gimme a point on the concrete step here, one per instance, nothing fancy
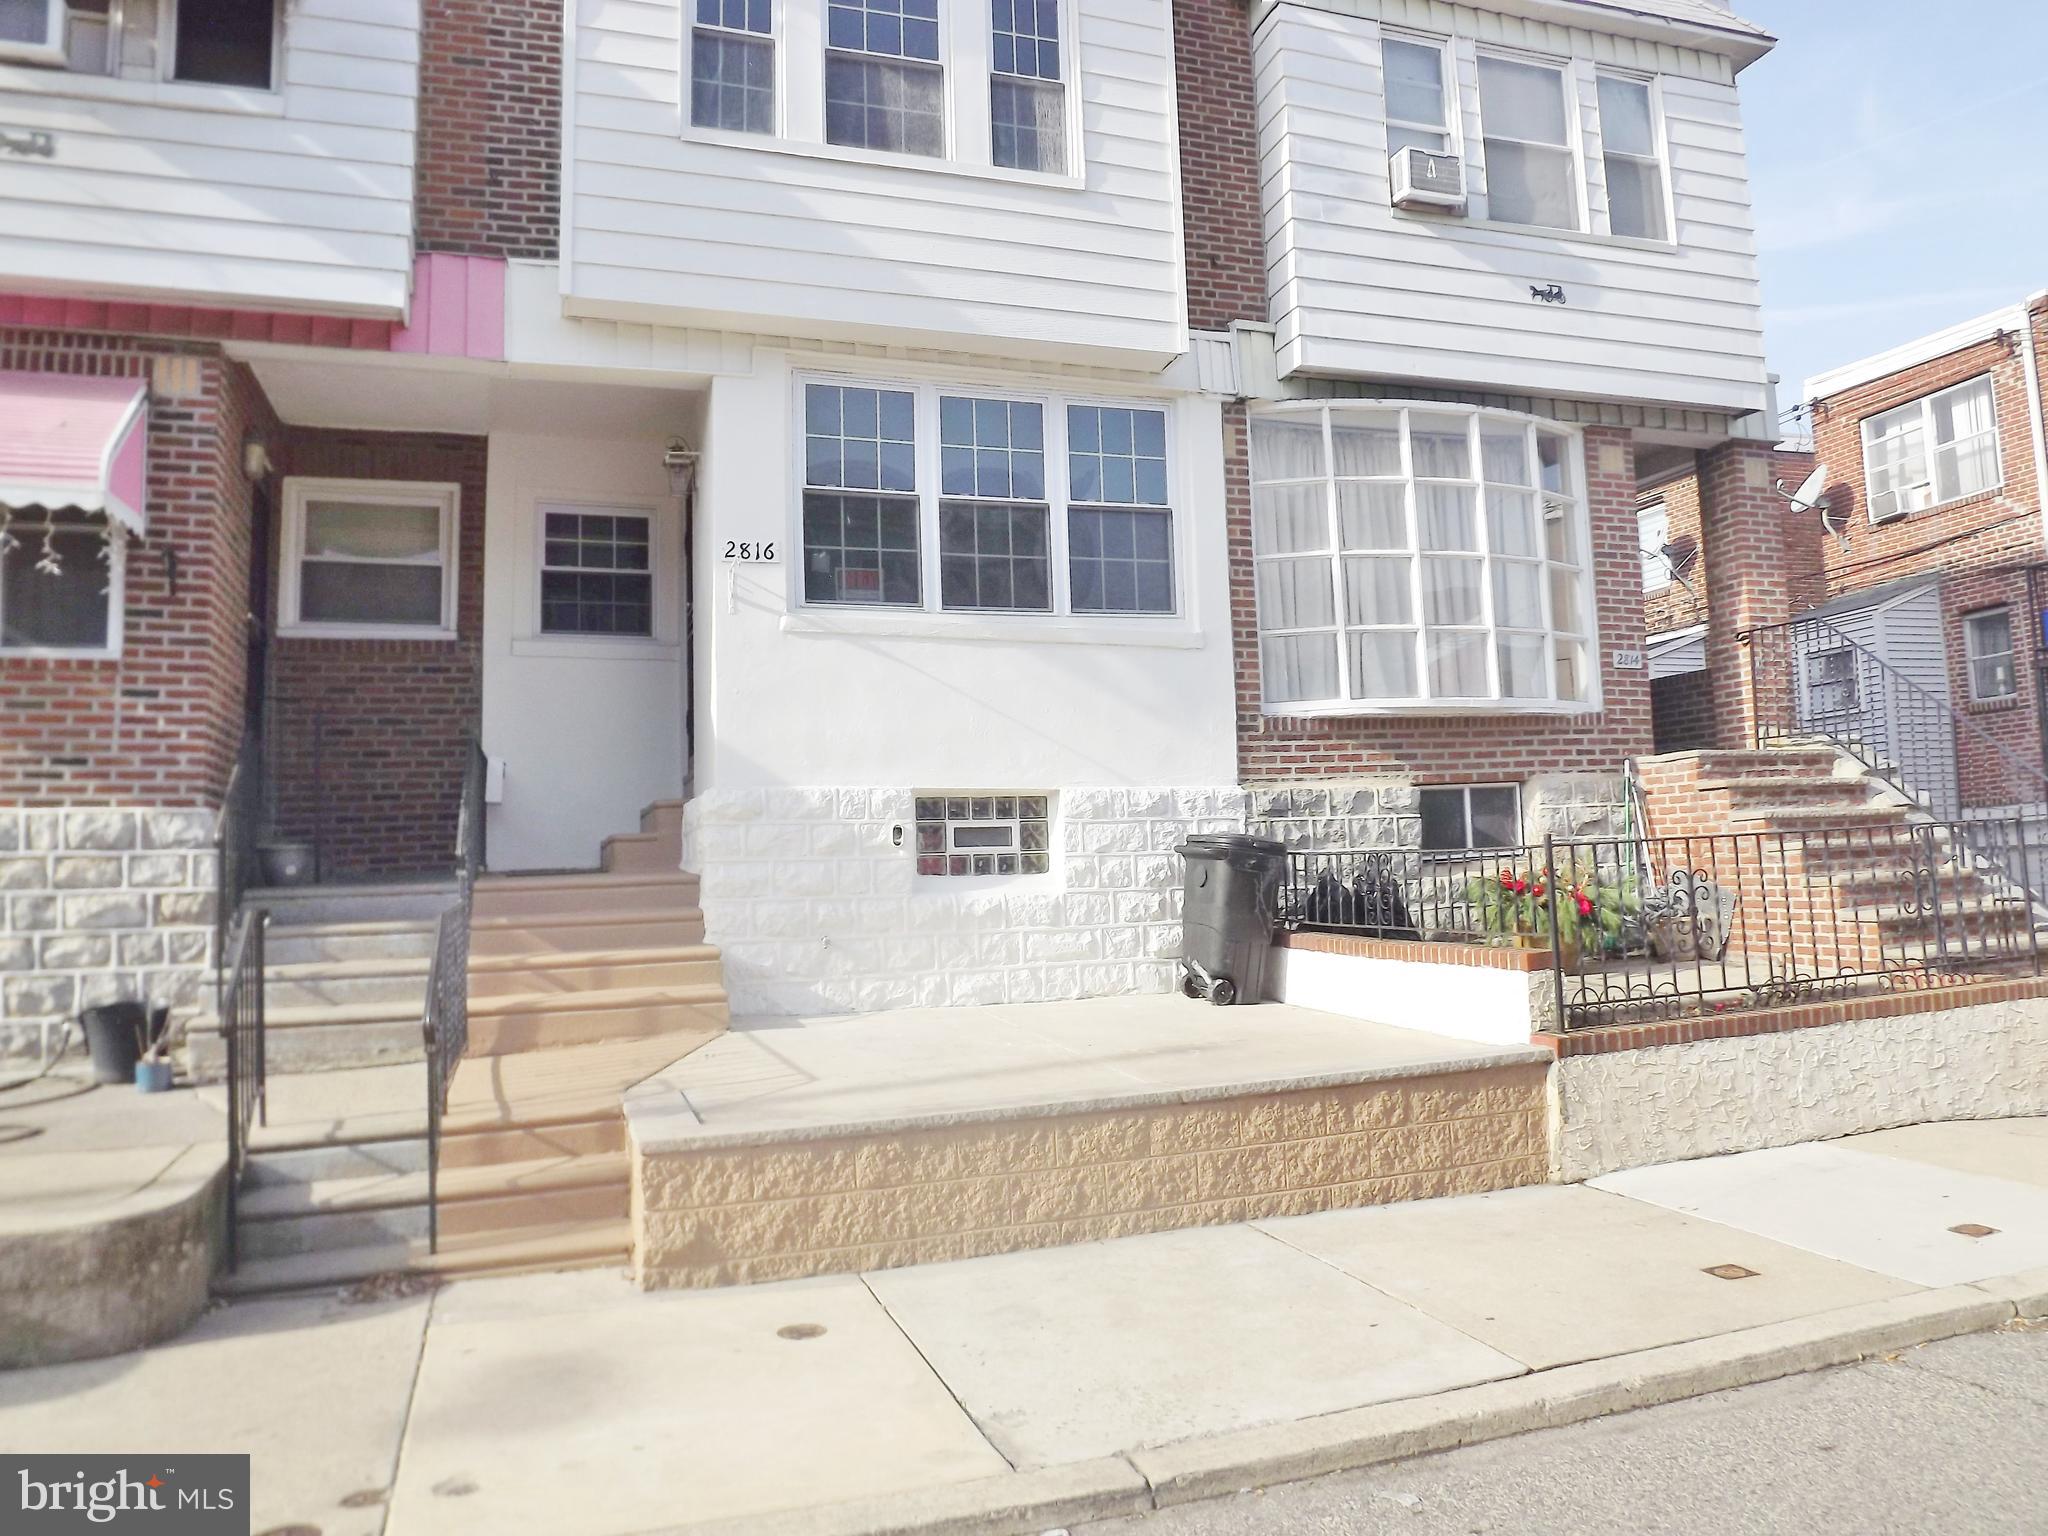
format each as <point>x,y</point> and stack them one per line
<point>1720,763</point>
<point>598,970</point>
<point>343,983</point>
<point>1781,817</point>
<point>284,1235</point>
<point>320,1039</point>
<point>553,896</point>
<point>490,1184</point>
<point>530,1021</point>
<point>1799,788</point>
<point>665,816</point>
<point>307,943</point>
<point>475,1145</point>
<point>573,932</point>
<point>642,853</point>
<point>335,1162</point>
<point>567,1245</point>
<point>392,901</point>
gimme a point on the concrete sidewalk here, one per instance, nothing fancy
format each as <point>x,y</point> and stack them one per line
<point>1039,1389</point>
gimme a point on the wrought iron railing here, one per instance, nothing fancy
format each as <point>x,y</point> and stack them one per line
<point>241,1027</point>
<point>234,851</point>
<point>446,1023</point>
<point>1401,893</point>
<point>1655,928</point>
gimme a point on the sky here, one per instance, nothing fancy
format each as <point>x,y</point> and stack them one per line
<point>1898,154</point>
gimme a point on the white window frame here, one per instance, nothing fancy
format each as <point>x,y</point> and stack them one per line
<point>444,496</point>
<point>1059,500</point>
<point>945,63</point>
<point>1448,74</point>
<point>1929,449</point>
<point>1659,156</point>
<point>117,595</point>
<point>1069,143</point>
<point>577,637</point>
<point>773,37</point>
<point>1424,703</point>
<point>1574,144</point>
<point>51,49</point>
<point>1013,824</point>
<point>163,76</point>
<point>1464,793</point>
<point>167,51</point>
<point>1656,569</point>
<point>1972,655</point>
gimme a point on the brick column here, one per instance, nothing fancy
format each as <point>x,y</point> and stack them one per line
<point>1750,580</point>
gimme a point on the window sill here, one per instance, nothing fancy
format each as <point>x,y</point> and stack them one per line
<point>1426,709</point>
<point>1451,224</point>
<point>239,100</point>
<point>402,634</point>
<point>1989,493</point>
<point>1162,633</point>
<point>771,145</point>
<point>596,648</point>
<point>59,653</point>
<point>1991,706</point>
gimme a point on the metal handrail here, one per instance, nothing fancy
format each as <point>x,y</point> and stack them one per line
<point>446,1024</point>
<point>234,851</point>
<point>241,1024</point>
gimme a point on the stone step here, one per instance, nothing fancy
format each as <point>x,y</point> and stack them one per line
<point>1799,787</point>
<point>1730,763</point>
<point>553,896</point>
<point>642,853</point>
<point>600,970</point>
<point>568,1245</point>
<point>530,1021</point>
<point>353,903</point>
<point>573,932</point>
<point>307,943</point>
<point>1801,818</point>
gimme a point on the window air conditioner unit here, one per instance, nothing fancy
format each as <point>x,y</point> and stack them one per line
<point>1907,498</point>
<point>1424,180</point>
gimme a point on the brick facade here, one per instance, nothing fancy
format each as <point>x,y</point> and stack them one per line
<point>1219,163</point>
<point>1682,712</point>
<point>490,145</point>
<point>1682,603</point>
<point>390,719</point>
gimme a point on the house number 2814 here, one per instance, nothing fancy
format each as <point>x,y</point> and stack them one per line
<point>744,552</point>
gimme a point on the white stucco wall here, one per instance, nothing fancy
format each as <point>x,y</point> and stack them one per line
<point>1463,1002</point>
<point>588,730</point>
<point>1662,1104</point>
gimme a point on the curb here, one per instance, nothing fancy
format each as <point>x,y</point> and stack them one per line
<point>1137,1482</point>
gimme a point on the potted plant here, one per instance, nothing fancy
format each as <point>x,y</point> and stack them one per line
<point>1591,911</point>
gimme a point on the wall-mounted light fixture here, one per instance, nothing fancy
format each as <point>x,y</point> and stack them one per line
<point>256,458</point>
<point>680,460</point>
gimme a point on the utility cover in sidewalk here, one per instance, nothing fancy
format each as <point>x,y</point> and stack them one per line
<point>1729,1272</point>
<point>1973,1229</point>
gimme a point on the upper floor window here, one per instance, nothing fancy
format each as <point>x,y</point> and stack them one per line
<point>370,558</point>
<point>884,85</point>
<point>732,65</point>
<point>1629,154</point>
<point>1418,103</point>
<point>1027,103</point>
<point>1417,556</point>
<point>1935,450</point>
<point>1531,175</point>
<point>1653,532</point>
<point>1028,505</point>
<point>204,42</point>
<point>60,583</point>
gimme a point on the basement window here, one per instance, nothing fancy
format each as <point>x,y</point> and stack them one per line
<point>984,834</point>
<point>1458,818</point>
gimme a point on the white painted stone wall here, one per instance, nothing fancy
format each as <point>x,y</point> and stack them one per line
<point>98,905</point>
<point>817,910</point>
<point>1662,1104</point>
<point>1492,1005</point>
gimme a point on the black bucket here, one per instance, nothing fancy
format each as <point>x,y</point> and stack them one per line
<point>113,1033</point>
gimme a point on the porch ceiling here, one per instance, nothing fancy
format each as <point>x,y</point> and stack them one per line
<point>380,396</point>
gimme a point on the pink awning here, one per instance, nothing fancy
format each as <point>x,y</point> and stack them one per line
<point>74,442</point>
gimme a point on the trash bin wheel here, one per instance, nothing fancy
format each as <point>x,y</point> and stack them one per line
<point>1190,986</point>
<point>1222,991</point>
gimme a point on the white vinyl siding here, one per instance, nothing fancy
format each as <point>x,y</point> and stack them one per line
<point>1931,451</point>
<point>786,233</point>
<point>1359,287</point>
<point>224,195</point>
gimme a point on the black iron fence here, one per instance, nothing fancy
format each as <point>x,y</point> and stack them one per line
<point>447,1016</point>
<point>234,851</point>
<point>1404,893</point>
<point>241,1026</point>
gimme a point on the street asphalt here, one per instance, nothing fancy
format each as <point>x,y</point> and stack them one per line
<point>1950,1439</point>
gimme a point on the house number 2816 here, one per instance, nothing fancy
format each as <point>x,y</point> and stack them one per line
<point>744,552</point>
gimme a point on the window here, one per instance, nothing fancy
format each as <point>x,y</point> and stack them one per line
<point>983,834</point>
<point>1418,555</point>
<point>205,42</point>
<point>1987,639</point>
<point>60,582</point>
<point>1459,818</point>
<point>1628,147</point>
<point>1530,171</point>
<point>1027,103</point>
<point>1418,112</point>
<point>1653,532</point>
<point>1831,685</point>
<point>1040,506</point>
<point>1932,451</point>
<point>732,66</point>
<point>884,88</point>
<point>369,557</point>
<point>596,572</point>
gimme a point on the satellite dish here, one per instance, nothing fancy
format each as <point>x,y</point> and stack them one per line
<point>1809,495</point>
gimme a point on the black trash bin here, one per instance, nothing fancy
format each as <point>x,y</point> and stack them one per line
<point>1230,902</point>
<point>113,1034</point>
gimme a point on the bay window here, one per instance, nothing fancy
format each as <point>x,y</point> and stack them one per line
<point>970,501</point>
<point>1531,170</point>
<point>1935,450</point>
<point>60,583</point>
<point>1418,556</point>
<point>369,559</point>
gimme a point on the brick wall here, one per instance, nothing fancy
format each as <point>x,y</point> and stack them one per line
<point>490,127</point>
<point>1219,163</point>
<point>1460,749</point>
<point>389,718</point>
<point>1683,603</point>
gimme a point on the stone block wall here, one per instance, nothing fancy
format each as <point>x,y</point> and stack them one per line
<point>818,909</point>
<point>1353,815</point>
<point>98,905</point>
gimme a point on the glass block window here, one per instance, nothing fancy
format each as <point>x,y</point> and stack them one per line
<point>884,87</point>
<point>732,66</point>
<point>977,833</point>
<point>596,575</point>
<point>1027,101</point>
<point>860,548</point>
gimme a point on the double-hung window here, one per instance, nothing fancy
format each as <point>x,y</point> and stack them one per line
<point>1531,169</point>
<point>1418,556</point>
<point>1629,154</point>
<point>596,571</point>
<point>1027,102</point>
<point>1935,450</point>
<point>1022,505</point>
<point>203,42</point>
<point>1418,102</point>
<point>60,582</point>
<point>732,65</point>
<point>884,86</point>
<point>369,558</point>
<point>1987,640</point>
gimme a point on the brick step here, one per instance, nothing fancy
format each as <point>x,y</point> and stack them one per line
<point>565,1245</point>
<point>307,943</point>
<point>551,896</point>
<point>529,1021</point>
<point>600,970</point>
<point>570,932</point>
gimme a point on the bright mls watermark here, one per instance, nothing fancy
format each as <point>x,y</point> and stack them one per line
<point>158,1495</point>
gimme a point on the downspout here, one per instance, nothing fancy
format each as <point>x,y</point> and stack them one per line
<point>2031,364</point>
